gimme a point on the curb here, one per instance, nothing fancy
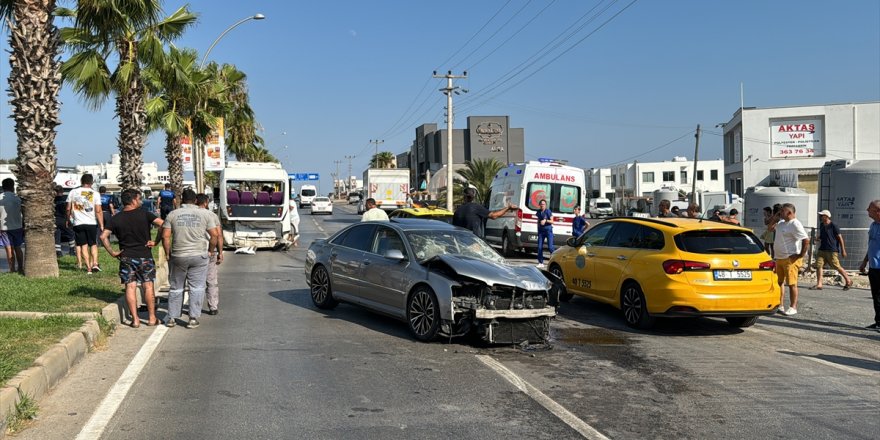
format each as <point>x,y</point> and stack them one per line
<point>51,368</point>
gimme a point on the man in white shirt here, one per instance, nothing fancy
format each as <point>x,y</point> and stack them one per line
<point>11,226</point>
<point>84,212</point>
<point>373,212</point>
<point>790,246</point>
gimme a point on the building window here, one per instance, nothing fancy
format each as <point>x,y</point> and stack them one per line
<point>700,175</point>
<point>608,180</point>
<point>623,180</point>
<point>684,177</point>
<point>669,176</point>
<point>614,180</point>
<point>648,177</point>
<point>713,174</point>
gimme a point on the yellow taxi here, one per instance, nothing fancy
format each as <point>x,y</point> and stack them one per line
<point>670,267</point>
<point>426,212</point>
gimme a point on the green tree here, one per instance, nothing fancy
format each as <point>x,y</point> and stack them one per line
<point>383,159</point>
<point>34,83</point>
<point>130,34</point>
<point>239,121</point>
<point>479,173</point>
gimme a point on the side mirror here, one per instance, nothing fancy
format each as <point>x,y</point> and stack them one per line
<point>394,254</point>
<point>572,242</point>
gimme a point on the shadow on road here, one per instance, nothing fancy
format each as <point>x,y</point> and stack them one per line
<point>345,221</point>
<point>865,364</point>
<point>835,328</point>
<point>345,312</point>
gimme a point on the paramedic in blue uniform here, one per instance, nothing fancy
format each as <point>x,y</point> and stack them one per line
<point>579,224</point>
<point>166,201</point>
<point>108,204</point>
<point>545,230</point>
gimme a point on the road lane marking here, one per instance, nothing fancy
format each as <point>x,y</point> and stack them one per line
<point>107,409</point>
<point>848,369</point>
<point>558,410</point>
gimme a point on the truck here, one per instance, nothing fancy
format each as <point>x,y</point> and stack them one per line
<point>388,186</point>
<point>254,205</point>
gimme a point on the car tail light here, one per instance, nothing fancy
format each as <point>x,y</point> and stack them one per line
<point>517,224</point>
<point>673,267</point>
<point>767,265</point>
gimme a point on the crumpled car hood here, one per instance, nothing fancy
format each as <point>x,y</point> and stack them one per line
<point>524,277</point>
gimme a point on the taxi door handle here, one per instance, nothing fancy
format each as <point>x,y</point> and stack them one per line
<point>621,257</point>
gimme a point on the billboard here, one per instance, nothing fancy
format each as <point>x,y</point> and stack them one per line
<point>215,149</point>
<point>801,137</point>
<point>186,152</point>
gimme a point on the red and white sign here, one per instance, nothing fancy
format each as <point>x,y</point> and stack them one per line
<point>553,177</point>
<point>797,138</point>
<point>186,153</point>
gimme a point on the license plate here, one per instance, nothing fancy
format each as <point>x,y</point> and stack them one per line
<point>733,275</point>
<point>533,238</point>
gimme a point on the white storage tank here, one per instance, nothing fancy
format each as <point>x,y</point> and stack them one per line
<point>852,187</point>
<point>664,193</point>
<point>757,197</point>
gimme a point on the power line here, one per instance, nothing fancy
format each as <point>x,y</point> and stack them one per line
<point>512,35</point>
<point>493,34</point>
<point>690,132</point>
<point>474,35</point>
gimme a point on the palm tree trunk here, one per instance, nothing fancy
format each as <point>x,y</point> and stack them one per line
<point>132,114</point>
<point>175,164</point>
<point>34,83</point>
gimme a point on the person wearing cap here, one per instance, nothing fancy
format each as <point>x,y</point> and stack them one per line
<point>830,244</point>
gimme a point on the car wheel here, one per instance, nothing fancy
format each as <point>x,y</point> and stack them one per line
<point>322,294</point>
<point>634,307</point>
<point>742,321</point>
<point>423,313</point>
<point>564,296</point>
<point>506,248</point>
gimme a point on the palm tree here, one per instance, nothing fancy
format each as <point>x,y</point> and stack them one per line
<point>180,93</point>
<point>131,33</point>
<point>239,120</point>
<point>479,173</point>
<point>384,159</point>
<point>34,83</point>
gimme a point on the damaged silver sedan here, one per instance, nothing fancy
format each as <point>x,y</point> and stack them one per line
<point>439,279</point>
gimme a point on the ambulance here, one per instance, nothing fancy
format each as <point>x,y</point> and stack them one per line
<point>525,185</point>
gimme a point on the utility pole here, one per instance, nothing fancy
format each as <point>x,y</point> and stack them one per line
<point>448,91</point>
<point>336,180</point>
<point>696,158</point>
<point>376,157</point>
<point>350,189</point>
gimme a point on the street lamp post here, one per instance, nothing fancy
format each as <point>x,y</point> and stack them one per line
<point>199,153</point>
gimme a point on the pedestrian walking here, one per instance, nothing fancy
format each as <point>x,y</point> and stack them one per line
<point>132,227</point>
<point>11,226</point>
<point>664,209</point>
<point>472,215</point>
<point>215,258</point>
<point>545,230</point>
<point>63,233</point>
<point>791,245</point>
<point>84,211</point>
<point>871,263</point>
<point>194,231</point>
<point>373,212</point>
<point>830,244</point>
<point>579,224</point>
<point>166,201</point>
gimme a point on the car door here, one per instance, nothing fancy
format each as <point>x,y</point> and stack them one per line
<point>610,261</point>
<point>578,266</point>
<point>384,279</point>
<point>347,259</point>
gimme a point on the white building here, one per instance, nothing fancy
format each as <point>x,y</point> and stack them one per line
<point>599,183</point>
<point>787,146</point>
<point>107,174</point>
<point>641,179</point>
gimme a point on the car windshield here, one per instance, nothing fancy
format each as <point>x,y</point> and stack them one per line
<point>603,205</point>
<point>429,244</point>
<point>721,241</point>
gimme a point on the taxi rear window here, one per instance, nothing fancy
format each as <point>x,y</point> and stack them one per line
<point>719,242</point>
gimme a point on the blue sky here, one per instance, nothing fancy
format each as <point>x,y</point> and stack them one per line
<point>326,77</point>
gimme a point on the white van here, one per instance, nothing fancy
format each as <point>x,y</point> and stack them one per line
<point>600,207</point>
<point>307,193</point>
<point>525,185</point>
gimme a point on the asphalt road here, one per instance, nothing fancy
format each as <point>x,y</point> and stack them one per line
<point>271,365</point>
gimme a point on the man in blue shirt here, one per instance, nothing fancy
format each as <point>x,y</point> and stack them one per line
<point>545,230</point>
<point>872,260</point>
<point>579,224</point>
<point>830,244</point>
<point>166,201</point>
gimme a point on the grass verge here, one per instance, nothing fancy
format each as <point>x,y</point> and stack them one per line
<point>25,412</point>
<point>72,291</point>
<point>24,340</point>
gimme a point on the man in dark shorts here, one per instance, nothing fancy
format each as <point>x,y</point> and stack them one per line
<point>63,233</point>
<point>11,226</point>
<point>166,201</point>
<point>84,212</point>
<point>472,215</point>
<point>131,226</point>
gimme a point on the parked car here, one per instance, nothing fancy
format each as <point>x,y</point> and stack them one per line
<point>671,267</point>
<point>439,279</point>
<point>321,205</point>
<point>354,197</point>
<point>428,213</point>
